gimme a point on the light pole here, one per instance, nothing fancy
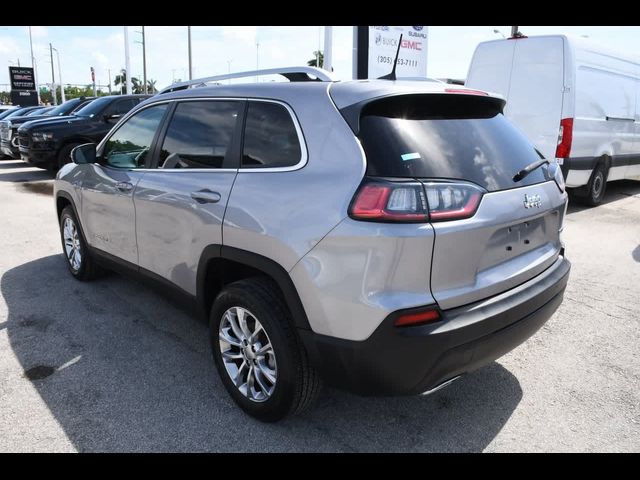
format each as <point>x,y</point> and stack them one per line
<point>53,78</point>
<point>144,61</point>
<point>190,69</point>
<point>127,60</point>
<point>33,65</point>
<point>109,70</point>
<point>257,58</point>
<point>229,65</point>
<point>328,49</point>
<point>60,76</point>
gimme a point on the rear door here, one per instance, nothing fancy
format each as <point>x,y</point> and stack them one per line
<point>180,205</point>
<point>534,103</point>
<point>448,140</point>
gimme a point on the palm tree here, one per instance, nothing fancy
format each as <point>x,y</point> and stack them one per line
<point>314,61</point>
<point>151,86</point>
<point>121,80</point>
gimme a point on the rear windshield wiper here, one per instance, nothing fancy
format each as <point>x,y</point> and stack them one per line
<point>528,169</point>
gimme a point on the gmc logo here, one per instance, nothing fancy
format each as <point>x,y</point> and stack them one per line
<point>412,45</point>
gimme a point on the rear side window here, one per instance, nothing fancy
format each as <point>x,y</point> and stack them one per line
<point>199,135</point>
<point>445,136</point>
<point>270,137</point>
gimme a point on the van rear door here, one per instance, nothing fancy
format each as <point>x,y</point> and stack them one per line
<point>532,81</point>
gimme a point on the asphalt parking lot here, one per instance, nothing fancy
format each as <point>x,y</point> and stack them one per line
<point>112,366</point>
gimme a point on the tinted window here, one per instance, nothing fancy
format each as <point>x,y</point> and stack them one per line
<point>128,147</point>
<point>270,137</point>
<point>121,106</point>
<point>199,135</point>
<point>445,136</point>
<point>95,107</point>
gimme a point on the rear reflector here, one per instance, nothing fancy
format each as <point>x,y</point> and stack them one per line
<point>417,318</point>
<point>565,137</point>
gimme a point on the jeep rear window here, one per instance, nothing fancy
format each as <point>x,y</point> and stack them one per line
<point>445,136</point>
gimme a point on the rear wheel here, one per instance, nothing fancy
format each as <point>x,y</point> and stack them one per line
<point>593,193</point>
<point>258,353</point>
<point>64,156</point>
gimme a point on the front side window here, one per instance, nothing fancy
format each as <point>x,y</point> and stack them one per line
<point>200,134</point>
<point>129,146</point>
<point>270,137</point>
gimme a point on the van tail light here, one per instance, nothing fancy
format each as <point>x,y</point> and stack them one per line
<point>414,202</point>
<point>452,201</point>
<point>383,201</point>
<point>565,137</point>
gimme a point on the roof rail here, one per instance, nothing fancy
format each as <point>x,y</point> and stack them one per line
<point>293,74</point>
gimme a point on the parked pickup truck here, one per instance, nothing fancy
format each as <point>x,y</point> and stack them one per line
<point>9,127</point>
<point>48,143</point>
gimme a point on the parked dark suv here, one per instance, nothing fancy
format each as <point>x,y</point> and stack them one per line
<point>9,127</point>
<point>48,143</point>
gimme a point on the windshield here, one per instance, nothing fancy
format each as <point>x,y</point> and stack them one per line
<point>460,137</point>
<point>19,112</point>
<point>64,109</point>
<point>39,111</point>
<point>94,107</point>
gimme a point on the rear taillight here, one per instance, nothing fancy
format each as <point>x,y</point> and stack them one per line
<point>565,136</point>
<point>452,201</point>
<point>383,201</point>
<point>414,202</point>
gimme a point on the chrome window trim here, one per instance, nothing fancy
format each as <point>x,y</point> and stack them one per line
<point>303,146</point>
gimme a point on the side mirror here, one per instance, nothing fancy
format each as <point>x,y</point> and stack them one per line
<point>84,154</point>
<point>109,117</point>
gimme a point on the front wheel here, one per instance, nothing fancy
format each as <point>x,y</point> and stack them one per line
<point>64,156</point>
<point>258,353</point>
<point>74,247</point>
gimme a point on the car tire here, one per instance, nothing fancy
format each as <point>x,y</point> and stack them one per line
<point>74,247</point>
<point>64,156</point>
<point>283,383</point>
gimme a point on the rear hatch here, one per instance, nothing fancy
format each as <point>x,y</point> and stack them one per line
<point>454,143</point>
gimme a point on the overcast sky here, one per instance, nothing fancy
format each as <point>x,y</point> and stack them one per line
<point>449,49</point>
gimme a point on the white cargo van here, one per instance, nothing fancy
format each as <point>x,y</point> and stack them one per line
<point>577,102</point>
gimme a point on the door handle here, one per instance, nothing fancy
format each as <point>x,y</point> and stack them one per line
<point>206,196</point>
<point>124,186</point>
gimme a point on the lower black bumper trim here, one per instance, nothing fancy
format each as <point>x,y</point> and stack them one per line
<point>394,361</point>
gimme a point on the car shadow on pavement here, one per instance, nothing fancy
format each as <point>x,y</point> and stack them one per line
<point>121,369</point>
<point>618,190</point>
<point>18,171</point>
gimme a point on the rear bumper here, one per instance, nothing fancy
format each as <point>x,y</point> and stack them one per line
<point>397,361</point>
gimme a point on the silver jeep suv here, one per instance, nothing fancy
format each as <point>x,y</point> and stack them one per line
<point>384,236</point>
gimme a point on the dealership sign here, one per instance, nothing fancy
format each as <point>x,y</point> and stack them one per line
<point>23,86</point>
<point>376,48</point>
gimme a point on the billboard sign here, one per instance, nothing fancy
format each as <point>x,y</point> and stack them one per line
<point>376,49</point>
<point>23,86</point>
<point>22,78</point>
<point>24,98</point>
